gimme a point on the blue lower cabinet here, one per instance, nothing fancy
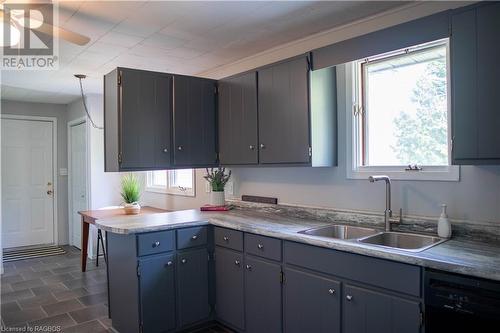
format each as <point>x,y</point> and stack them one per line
<point>367,311</point>
<point>262,296</point>
<point>192,287</point>
<point>311,303</point>
<point>229,287</point>
<point>157,293</point>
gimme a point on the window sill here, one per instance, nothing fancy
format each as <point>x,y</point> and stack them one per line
<point>447,173</point>
<point>187,193</point>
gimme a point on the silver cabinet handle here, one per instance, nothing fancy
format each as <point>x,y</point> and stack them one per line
<point>249,267</point>
<point>251,147</point>
<point>237,262</point>
<point>349,298</point>
<point>225,238</point>
<point>262,146</point>
<point>165,150</point>
<point>169,263</point>
<point>179,148</point>
<point>156,244</point>
<point>195,237</point>
<point>183,261</point>
<point>260,246</point>
<point>331,291</point>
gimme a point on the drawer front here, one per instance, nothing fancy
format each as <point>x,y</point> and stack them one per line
<point>381,273</point>
<point>263,246</point>
<point>231,239</point>
<point>191,237</point>
<point>155,242</point>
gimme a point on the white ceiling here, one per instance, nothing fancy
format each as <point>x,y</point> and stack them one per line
<point>178,37</point>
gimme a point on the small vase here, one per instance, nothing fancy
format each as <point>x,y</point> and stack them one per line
<point>217,198</point>
<point>132,208</point>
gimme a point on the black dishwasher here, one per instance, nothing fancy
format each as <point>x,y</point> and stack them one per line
<point>457,303</point>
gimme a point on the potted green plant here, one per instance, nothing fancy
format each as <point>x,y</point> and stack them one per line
<point>131,192</point>
<point>217,178</point>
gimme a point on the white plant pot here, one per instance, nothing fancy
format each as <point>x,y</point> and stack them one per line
<point>132,209</point>
<point>217,198</point>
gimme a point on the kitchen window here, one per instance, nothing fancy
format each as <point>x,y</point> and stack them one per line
<point>178,182</point>
<point>400,116</point>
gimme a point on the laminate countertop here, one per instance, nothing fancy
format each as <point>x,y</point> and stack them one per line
<point>464,257</point>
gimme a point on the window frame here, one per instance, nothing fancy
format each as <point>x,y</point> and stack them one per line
<point>169,188</point>
<point>356,125</point>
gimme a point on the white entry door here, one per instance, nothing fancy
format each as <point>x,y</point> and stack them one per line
<point>27,183</point>
<point>78,170</point>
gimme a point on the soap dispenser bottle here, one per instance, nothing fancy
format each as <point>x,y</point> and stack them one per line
<point>444,225</point>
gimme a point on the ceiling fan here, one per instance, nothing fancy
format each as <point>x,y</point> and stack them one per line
<point>35,21</point>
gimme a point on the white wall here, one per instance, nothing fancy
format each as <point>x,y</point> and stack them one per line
<point>476,197</point>
<point>58,111</point>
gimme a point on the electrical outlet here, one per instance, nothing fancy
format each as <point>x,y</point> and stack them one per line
<point>229,188</point>
<point>207,187</point>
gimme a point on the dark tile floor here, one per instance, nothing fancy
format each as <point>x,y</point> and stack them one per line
<point>53,292</point>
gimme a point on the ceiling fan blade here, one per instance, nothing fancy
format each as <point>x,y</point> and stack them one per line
<point>52,30</point>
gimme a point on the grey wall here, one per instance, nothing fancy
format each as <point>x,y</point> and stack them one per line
<point>58,111</point>
<point>476,197</point>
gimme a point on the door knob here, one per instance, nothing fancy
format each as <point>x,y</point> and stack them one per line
<point>349,298</point>
<point>237,262</point>
<point>156,244</point>
<point>179,148</point>
<point>249,267</point>
<point>49,192</point>
<point>262,146</point>
<point>226,239</point>
<point>165,150</point>
<point>184,261</point>
<point>331,291</point>
<point>195,237</point>
<point>251,147</point>
<point>260,246</point>
<point>169,263</point>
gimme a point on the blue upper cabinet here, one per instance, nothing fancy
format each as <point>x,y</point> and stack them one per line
<point>474,73</point>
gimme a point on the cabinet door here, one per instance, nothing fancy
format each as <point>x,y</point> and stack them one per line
<point>144,119</point>
<point>194,122</point>
<point>488,72</point>
<point>367,311</point>
<point>157,293</point>
<point>284,112</point>
<point>474,71</point>
<point>311,303</point>
<point>262,296</point>
<point>238,120</point>
<point>192,284</point>
<point>229,290</point>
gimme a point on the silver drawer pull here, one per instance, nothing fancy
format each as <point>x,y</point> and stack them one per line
<point>237,262</point>
<point>169,263</point>
<point>260,246</point>
<point>331,291</point>
<point>195,237</point>
<point>183,261</point>
<point>156,244</point>
<point>349,298</point>
<point>249,267</point>
<point>225,238</point>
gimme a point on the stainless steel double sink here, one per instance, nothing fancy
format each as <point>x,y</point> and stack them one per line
<point>393,240</point>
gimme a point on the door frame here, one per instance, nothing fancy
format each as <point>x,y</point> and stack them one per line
<point>76,122</point>
<point>55,165</point>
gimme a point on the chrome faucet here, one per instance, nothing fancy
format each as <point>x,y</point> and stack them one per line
<point>388,210</point>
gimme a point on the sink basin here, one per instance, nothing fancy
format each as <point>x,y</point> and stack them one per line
<point>341,232</point>
<point>402,241</point>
